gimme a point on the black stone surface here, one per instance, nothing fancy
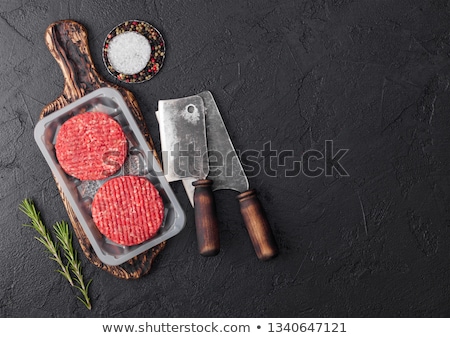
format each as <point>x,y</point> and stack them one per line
<point>373,77</point>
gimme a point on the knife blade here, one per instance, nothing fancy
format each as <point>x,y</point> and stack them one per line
<point>228,173</point>
<point>185,157</point>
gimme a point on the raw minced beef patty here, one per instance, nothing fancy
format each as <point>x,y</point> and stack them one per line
<point>128,210</point>
<point>91,146</point>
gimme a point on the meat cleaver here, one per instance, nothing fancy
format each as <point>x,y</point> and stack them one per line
<point>185,157</point>
<point>228,173</point>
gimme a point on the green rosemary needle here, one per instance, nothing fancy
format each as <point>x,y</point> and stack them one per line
<point>28,208</point>
<point>64,237</point>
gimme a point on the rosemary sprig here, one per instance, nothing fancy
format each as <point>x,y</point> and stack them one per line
<point>64,237</point>
<point>28,208</point>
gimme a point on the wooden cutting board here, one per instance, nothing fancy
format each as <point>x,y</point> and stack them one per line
<point>68,43</point>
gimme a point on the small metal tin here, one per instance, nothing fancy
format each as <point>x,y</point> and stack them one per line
<point>157,46</point>
<point>140,161</point>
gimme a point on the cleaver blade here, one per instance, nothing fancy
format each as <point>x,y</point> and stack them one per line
<point>226,172</point>
<point>183,138</point>
<point>185,157</point>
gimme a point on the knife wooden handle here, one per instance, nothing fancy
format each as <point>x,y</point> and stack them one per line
<point>206,222</point>
<point>257,225</point>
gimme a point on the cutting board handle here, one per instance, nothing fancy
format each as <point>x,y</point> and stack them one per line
<point>67,41</point>
<point>206,222</point>
<point>257,225</point>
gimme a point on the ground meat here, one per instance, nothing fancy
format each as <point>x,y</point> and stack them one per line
<point>128,210</point>
<point>91,146</point>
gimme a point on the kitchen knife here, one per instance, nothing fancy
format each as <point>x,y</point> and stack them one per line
<point>228,173</point>
<point>185,157</point>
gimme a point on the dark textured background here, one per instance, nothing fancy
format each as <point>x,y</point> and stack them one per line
<point>372,76</point>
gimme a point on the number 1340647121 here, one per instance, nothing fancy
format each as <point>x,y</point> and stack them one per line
<point>307,327</point>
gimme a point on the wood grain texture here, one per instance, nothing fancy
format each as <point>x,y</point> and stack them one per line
<point>206,222</point>
<point>257,225</point>
<point>68,43</point>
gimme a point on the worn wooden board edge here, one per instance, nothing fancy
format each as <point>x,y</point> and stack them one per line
<point>82,78</point>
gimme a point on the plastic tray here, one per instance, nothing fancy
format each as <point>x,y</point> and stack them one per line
<point>140,162</point>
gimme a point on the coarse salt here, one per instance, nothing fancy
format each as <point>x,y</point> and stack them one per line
<point>129,52</point>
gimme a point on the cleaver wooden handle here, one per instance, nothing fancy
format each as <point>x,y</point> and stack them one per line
<point>257,225</point>
<point>206,222</point>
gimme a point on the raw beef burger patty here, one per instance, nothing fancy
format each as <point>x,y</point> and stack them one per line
<point>128,210</point>
<point>91,146</point>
